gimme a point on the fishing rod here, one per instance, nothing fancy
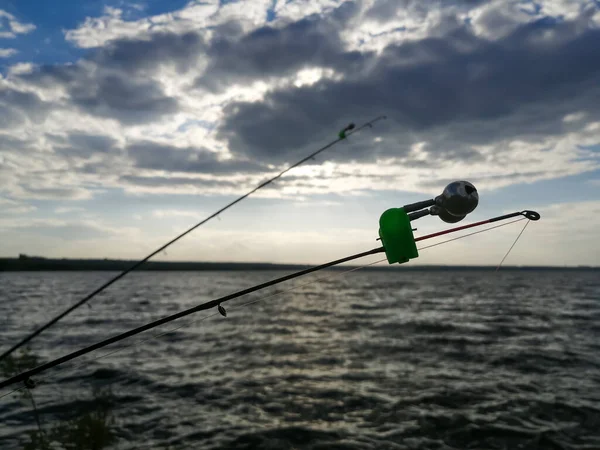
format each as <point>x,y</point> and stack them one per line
<point>343,134</point>
<point>399,245</point>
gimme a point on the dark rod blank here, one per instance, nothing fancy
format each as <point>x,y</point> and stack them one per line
<point>24,376</point>
<point>84,300</point>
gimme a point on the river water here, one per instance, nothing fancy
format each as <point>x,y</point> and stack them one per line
<point>366,360</point>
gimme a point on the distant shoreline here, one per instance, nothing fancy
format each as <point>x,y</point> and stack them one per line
<point>38,264</point>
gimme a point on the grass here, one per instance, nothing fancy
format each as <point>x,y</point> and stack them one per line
<point>91,429</point>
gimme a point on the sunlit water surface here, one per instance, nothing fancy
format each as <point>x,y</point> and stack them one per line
<point>368,360</point>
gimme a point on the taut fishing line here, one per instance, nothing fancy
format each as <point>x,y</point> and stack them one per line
<point>470,234</point>
<point>511,247</point>
<point>343,134</point>
<point>137,343</point>
<point>273,295</point>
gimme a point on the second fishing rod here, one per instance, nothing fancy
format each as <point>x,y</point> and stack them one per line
<point>342,135</point>
<point>457,200</point>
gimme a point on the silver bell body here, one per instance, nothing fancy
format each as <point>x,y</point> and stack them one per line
<point>458,199</point>
<point>445,215</point>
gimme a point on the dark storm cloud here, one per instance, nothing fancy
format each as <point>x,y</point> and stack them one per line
<point>457,88</point>
<point>173,182</point>
<point>16,106</point>
<point>150,155</point>
<point>134,55</point>
<point>382,10</point>
<point>105,92</point>
<point>11,143</point>
<point>269,51</point>
<point>93,142</point>
<point>82,145</point>
<point>127,100</point>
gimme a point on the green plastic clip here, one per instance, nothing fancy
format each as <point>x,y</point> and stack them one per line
<point>397,237</point>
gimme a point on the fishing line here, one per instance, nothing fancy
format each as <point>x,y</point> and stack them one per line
<point>12,392</point>
<point>511,247</point>
<point>276,294</point>
<point>470,234</point>
<point>243,305</point>
<point>25,376</point>
<point>349,130</point>
<point>236,307</point>
<point>192,322</point>
<point>251,302</point>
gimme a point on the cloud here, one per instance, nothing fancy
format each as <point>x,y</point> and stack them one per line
<point>18,107</point>
<point>196,15</point>
<point>84,146</point>
<point>155,156</point>
<point>32,190</point>
<point>269,51</point>
<point>170,213</point>
<point>20,68</point>
<point>497,19</point>
<point>514,87</point>
<point>464,98</point>
<point>7,52</point>
<point>130,101</point>
<point>178,185</point>
<point>68,209</point>
<point>9,207</point>
<point>61,229</point>
<point>146,54</point>
<point>458,103</point>
<point>48,166</point>
<point>95,32</point>
<point>10,27</point>
<point>211,99</point>
<point>562,239</point>
<point>107,94</point>
<point>96,143</point>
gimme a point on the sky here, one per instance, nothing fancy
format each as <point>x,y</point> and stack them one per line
<point>122,123</point>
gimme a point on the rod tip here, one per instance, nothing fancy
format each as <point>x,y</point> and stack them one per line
<point>531,215</point>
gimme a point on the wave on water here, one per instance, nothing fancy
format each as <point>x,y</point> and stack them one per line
<point>373,360</point>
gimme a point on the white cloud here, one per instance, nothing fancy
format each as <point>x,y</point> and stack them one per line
<point>10,26</point>
<point>557,239</point>
<point>7,52</point>
<point>97,31</point>
<point>505,162</point>
<point>574,117</point>
<point>170,213</point>
<point>21,28</point>
<point>498,18</point>
<point>68,209</point>
<point>195,16</point>
<point>21,68</point>
<point>65,227</point>
<point>567,9</point>
<point>10,207</point>
<point>39,161</point>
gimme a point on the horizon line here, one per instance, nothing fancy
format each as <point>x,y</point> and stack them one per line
<point>24,259</point>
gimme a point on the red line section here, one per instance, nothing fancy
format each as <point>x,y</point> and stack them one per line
<point>451,230</point>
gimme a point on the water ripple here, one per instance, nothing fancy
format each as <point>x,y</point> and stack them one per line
<point>373,360</point>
